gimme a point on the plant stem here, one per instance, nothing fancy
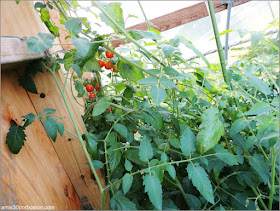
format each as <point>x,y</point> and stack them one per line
<point>146,19</point>
<point>98,41</point>
<point>178,184</point>
<point>125,33</point>
<point>257,194</point>
<point>272,182</point>
<point>71,133</point>
<point>163,164</point>
<point>227,143</point>
<point>218,41</point>
<point>245,92</point>
<point>78,133</point>
<point>271,77</point>
<point>66,78</point>
<point>61,10</point>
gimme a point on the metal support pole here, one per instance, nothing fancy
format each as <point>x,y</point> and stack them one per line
<point>229,6</point>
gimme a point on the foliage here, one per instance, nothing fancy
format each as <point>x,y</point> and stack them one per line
<point>166,133</point>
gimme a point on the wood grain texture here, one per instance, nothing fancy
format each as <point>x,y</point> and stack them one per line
<point>70,153</point>
<point>35,176</point>
<point>15,50</point>
<point>180,17</point>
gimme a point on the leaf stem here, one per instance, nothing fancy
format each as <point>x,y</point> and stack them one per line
<point>163,164</point>
<point>146,19</point>
<point>245,92</point>
<point>272,182</point>
<point>71,133</point>
<point>257,194</point>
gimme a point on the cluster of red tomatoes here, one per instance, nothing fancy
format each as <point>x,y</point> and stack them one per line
<point>90,89</point>
<point>108,64</point>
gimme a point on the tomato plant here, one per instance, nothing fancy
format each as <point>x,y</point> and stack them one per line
<point>169,133</point>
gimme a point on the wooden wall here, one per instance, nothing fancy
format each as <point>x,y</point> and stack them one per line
<point>44,173</point>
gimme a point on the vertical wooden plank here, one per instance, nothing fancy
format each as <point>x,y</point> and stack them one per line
<point>35,176</point>
<point>70,153</point>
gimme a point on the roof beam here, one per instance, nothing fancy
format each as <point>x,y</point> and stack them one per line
<point>180,17</point>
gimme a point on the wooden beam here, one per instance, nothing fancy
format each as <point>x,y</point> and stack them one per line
<point>180,17</point>
<point>14,50</point>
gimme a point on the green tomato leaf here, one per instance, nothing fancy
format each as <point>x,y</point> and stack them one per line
<point>51,128</point>
<point>79,87</point>
<point>237,126</point>
<point>38,5</point>
<point>128,165</point>
<point>60,128</point>
<point>256,37</point>
<point>258,84</point>
<point>74,25</point>
<point>200,180</point>
<point>114,156</point>
<point>27,83</point>
<point>194,202</point>
<point>15,138</point>
<point>37,46</point>
<point>167,82</point>
<point>29,119</point>
<point>92,65</point>
<point>154,190</point>
<point>121,129</point>
<point>170,71</point>
<point>260,166</point>
<point>77,69</point>
<point>115,11</point>
<point>189,45</point>
<point>127,71</point>
<point>49,111</point>
<point>81,44</point>
<point>92,142</point>
<point>259,108</point>
<point>138,34</point>
<point>187,142</point>
<point>171,170</point>
<point>146,150</point>
<point>148,81</point>
<point>167,49</point>
<point>211,130</point>
<point>153,71</point>
<point>121,203</point>
<point>158,94</point>
<point>100,107</point>
<point>127,182</point>
<point>225,155</point>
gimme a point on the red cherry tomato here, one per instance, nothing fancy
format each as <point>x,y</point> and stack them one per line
<point>134,131</point>
<point>89,88</point>
<point>109,109</point>
<point>109,54</point>
<point>92,95</point>
<point>96,87</point>
<point>109,65</point>
<point>101,63</point>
